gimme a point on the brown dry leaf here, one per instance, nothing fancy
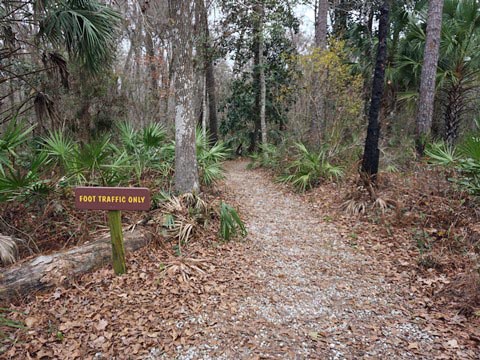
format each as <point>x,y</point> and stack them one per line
<point>69,325</point>
<point>31,321</point>
<point>44,353</point>
<point>98,342</point>
<point>101,325</point>
<point>413,346</point>
<point>453,344</point>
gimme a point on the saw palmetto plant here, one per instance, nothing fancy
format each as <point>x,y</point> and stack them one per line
<point>182,217</point>
<point>98,162</point>
<point>210,158</point>
<point>464,159</point>
<point>20,173</point>
<point>309,168</point>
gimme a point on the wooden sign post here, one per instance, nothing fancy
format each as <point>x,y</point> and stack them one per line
<point>113,199</point>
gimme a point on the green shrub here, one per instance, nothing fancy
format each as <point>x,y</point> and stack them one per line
<point>147,149</point>
<point>309,168</point>
<point>268,157</point>
<point>14,136</point>
<point>98,162</point>
<point>20,175</point>
<point>465,160</point>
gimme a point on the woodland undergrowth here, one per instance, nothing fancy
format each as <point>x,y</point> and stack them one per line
<point>37,207</point>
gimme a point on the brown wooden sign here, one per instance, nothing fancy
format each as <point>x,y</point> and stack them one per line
<point>112,198</point>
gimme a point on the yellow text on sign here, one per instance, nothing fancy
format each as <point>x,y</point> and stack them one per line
<point>112,199</point>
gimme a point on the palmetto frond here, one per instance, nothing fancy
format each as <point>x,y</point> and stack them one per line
<point>210,159</point>
<point>441,154</point>
<point>13,136</point>
<point>86,28</point>
<point>309,168</point>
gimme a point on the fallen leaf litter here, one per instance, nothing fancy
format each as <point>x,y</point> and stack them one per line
<point>295,289</point>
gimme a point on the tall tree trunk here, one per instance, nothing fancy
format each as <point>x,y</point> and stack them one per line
<point>186,172</point>
<point>321,24</point>
<point>317,121</point>
<point>429,71</point>
<point>340,17</point>
<point>204,109</point>
<point>259,80</point>
<point>209,75</point>
<point>263,90</point>
<point>152,64</point>
<point>371,153</point>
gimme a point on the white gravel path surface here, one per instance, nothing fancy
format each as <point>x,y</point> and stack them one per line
<point>315,297</point>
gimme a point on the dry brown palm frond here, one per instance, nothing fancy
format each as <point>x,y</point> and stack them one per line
<point>183,231</point>
<point>8,249</point>
<point>194,201</point>
<point>380,204</point>
<point>173,205</point>
<point>354,207</point>
<point>184,269</point>
<point>181,204</point>
<point>45,108</point>
<point>384,204</point>
<point>61,67</point>
<point>181,217</point>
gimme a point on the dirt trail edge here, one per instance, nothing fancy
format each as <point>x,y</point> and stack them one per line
<point>316,297</point>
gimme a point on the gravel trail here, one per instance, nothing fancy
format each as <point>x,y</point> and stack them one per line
<point>315,297</point>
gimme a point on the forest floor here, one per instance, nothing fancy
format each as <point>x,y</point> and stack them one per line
<point>299,287</point>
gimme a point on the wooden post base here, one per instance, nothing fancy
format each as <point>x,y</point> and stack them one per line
<point>116,235</point>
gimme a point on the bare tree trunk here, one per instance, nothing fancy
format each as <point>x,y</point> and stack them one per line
<point>205,112</point>
<point>260,129</point>
<point>212,102</point>
<point>371,153</point>
<point>186,172</point>
<point>317,122</point>
<point>321,24</point>
<point>340,18</point>
<point>165,90</point>
<point>209,75</point>
<point>152,64</point>
<point>429,72</point>
<point>256,81</point>
<point>263,90</point>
